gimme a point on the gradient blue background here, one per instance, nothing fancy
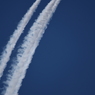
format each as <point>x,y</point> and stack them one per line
<point>64,62</point>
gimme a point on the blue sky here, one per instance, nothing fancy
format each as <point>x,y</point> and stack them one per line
<point>64,62</point>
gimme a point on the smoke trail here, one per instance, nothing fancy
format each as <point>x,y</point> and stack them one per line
<point>14,38</point>
<point>27,49</point>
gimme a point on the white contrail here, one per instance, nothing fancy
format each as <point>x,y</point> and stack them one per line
<point>14,38</point>
<point>27,49</point>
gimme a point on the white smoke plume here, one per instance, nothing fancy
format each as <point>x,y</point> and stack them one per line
<point>25,53</point>
<point>5,56</point>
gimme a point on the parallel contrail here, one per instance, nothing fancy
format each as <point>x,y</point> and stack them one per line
<point>27,49</point>
<point>5,56</point>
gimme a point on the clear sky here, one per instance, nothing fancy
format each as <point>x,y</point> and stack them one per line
<point>64,62</point>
